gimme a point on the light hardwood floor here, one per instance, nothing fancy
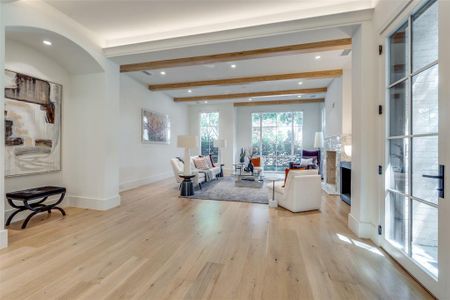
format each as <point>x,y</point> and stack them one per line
<point>158,246</point>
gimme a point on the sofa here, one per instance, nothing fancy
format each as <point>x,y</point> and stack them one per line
<point>201,176</point>
<point>178,169</point>
<point>301,192</point>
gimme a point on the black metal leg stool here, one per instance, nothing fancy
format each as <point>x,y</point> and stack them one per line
<point>26,196</point>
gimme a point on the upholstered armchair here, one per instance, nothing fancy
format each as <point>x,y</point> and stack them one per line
<point>301,192</point>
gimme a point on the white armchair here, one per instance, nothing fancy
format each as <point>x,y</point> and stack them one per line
<point>302,191</point>
<point>178,168</point>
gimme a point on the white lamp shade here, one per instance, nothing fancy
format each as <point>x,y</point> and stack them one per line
<point>220,143</point>
<point>187,141</point>
<point>318,140</point>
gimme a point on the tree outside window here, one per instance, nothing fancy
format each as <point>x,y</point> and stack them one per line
<point>209,132</point>
<point>278,138</point>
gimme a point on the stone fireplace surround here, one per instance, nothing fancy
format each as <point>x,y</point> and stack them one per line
<point>332,157</point>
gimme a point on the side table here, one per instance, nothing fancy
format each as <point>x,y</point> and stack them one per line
<point>187,187</point>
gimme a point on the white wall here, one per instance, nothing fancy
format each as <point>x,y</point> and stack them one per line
<point>227,125</point>
<point>23,59</point>
<point>3,232</point>
<point>364,216</point>
<point>144,163</point>
<point>333,108</point>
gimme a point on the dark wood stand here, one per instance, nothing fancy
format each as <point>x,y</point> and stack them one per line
<point>41,193</point>
<point>221,170</point>
<point>187,187</point>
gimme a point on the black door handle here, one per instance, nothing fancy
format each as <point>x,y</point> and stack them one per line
<point>433,176</point>
<point>441,178</point>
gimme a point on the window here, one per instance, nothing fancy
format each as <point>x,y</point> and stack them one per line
<point>411,213</point>
<point>209,132</point>
<point>278,138</point>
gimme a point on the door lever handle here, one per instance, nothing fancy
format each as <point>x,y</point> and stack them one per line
<point>433,176</point>
<point>441,178</point>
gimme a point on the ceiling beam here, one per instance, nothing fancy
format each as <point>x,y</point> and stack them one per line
<point>244,80</point>
<point>279,102</point>
<point>339,44</point>
<point>253,94</point>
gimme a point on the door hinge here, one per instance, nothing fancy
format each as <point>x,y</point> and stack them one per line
<point>380,230</point>
<point>380,170</point>
<point>380,49</point>
<point>380,109</point>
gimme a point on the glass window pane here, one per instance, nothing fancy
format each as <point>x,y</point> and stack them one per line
<point>209,131</point>
<point>397,172</point>
<point>425,161</point>
<point>397,213</point>
<point>425,236</point>
<point>398,47</point>
<point>425,101</point>
<point>425,36</point>
<point>256,117</point>
<point>398,110</point>
<point>298,118</point>
<point>269,119</point>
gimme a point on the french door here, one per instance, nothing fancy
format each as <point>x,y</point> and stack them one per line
<point>414,179</point>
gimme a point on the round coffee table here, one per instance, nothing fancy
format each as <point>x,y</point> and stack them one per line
<point>273,177</point>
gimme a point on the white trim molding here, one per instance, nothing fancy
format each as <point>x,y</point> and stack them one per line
<point>3,238</point>
<point>93,203</point>
<point>363,230</point>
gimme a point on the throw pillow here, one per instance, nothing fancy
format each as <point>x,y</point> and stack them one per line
<point>201,163</point>
<point>305,162</point>
<point>256,161</point>
<point>212,161</point>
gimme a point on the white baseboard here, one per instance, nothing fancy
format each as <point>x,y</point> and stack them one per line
<point>94,203</point>
<point>363,230</point>
<point>3,238</point>
<point>132,184</point>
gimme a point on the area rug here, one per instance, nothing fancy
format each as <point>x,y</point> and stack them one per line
<point>224,189</point>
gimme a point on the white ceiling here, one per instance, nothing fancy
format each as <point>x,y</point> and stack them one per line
<point>120,22</point>
<point>66,53</point>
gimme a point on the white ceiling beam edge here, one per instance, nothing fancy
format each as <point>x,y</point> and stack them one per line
<point>322,22</point>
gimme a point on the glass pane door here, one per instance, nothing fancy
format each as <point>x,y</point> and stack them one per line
<point>277,137</point>
<point>411,205</point>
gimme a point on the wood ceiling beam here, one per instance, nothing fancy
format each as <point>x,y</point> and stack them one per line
<point>339,44</point>
<point>253,94</point>
<point>279,102</point>
<point>244,80</point>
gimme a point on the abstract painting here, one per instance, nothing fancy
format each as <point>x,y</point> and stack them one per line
<point>155,127</point>
<point>32,125</point>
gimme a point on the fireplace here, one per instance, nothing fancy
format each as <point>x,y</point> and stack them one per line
<point>346,182</point>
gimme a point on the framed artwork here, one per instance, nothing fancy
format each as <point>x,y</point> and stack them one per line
<point>155,127</point>
<point>32,125</point>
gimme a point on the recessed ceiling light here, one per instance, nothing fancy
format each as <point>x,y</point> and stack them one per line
<point>300,82</point>
<point>206,102</point>
<point>299,96</point>
<point>250,99</point>
<point>317,57</point>
<point>233,66</point>
<point>189,91</point>
<point>162,73</point>
<point>48,43</point>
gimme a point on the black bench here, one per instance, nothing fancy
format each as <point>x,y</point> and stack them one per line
<point>27,197</point>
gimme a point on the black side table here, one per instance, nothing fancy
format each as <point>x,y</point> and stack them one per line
<point>36,207</point>
<point>221,170</point>
<point>187,187</point>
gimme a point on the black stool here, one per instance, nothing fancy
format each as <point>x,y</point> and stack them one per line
<point>36,207</point>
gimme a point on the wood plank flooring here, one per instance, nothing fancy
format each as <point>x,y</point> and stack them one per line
<point>158,246</point>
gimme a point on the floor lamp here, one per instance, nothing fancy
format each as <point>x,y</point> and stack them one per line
<point>187,142</point>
